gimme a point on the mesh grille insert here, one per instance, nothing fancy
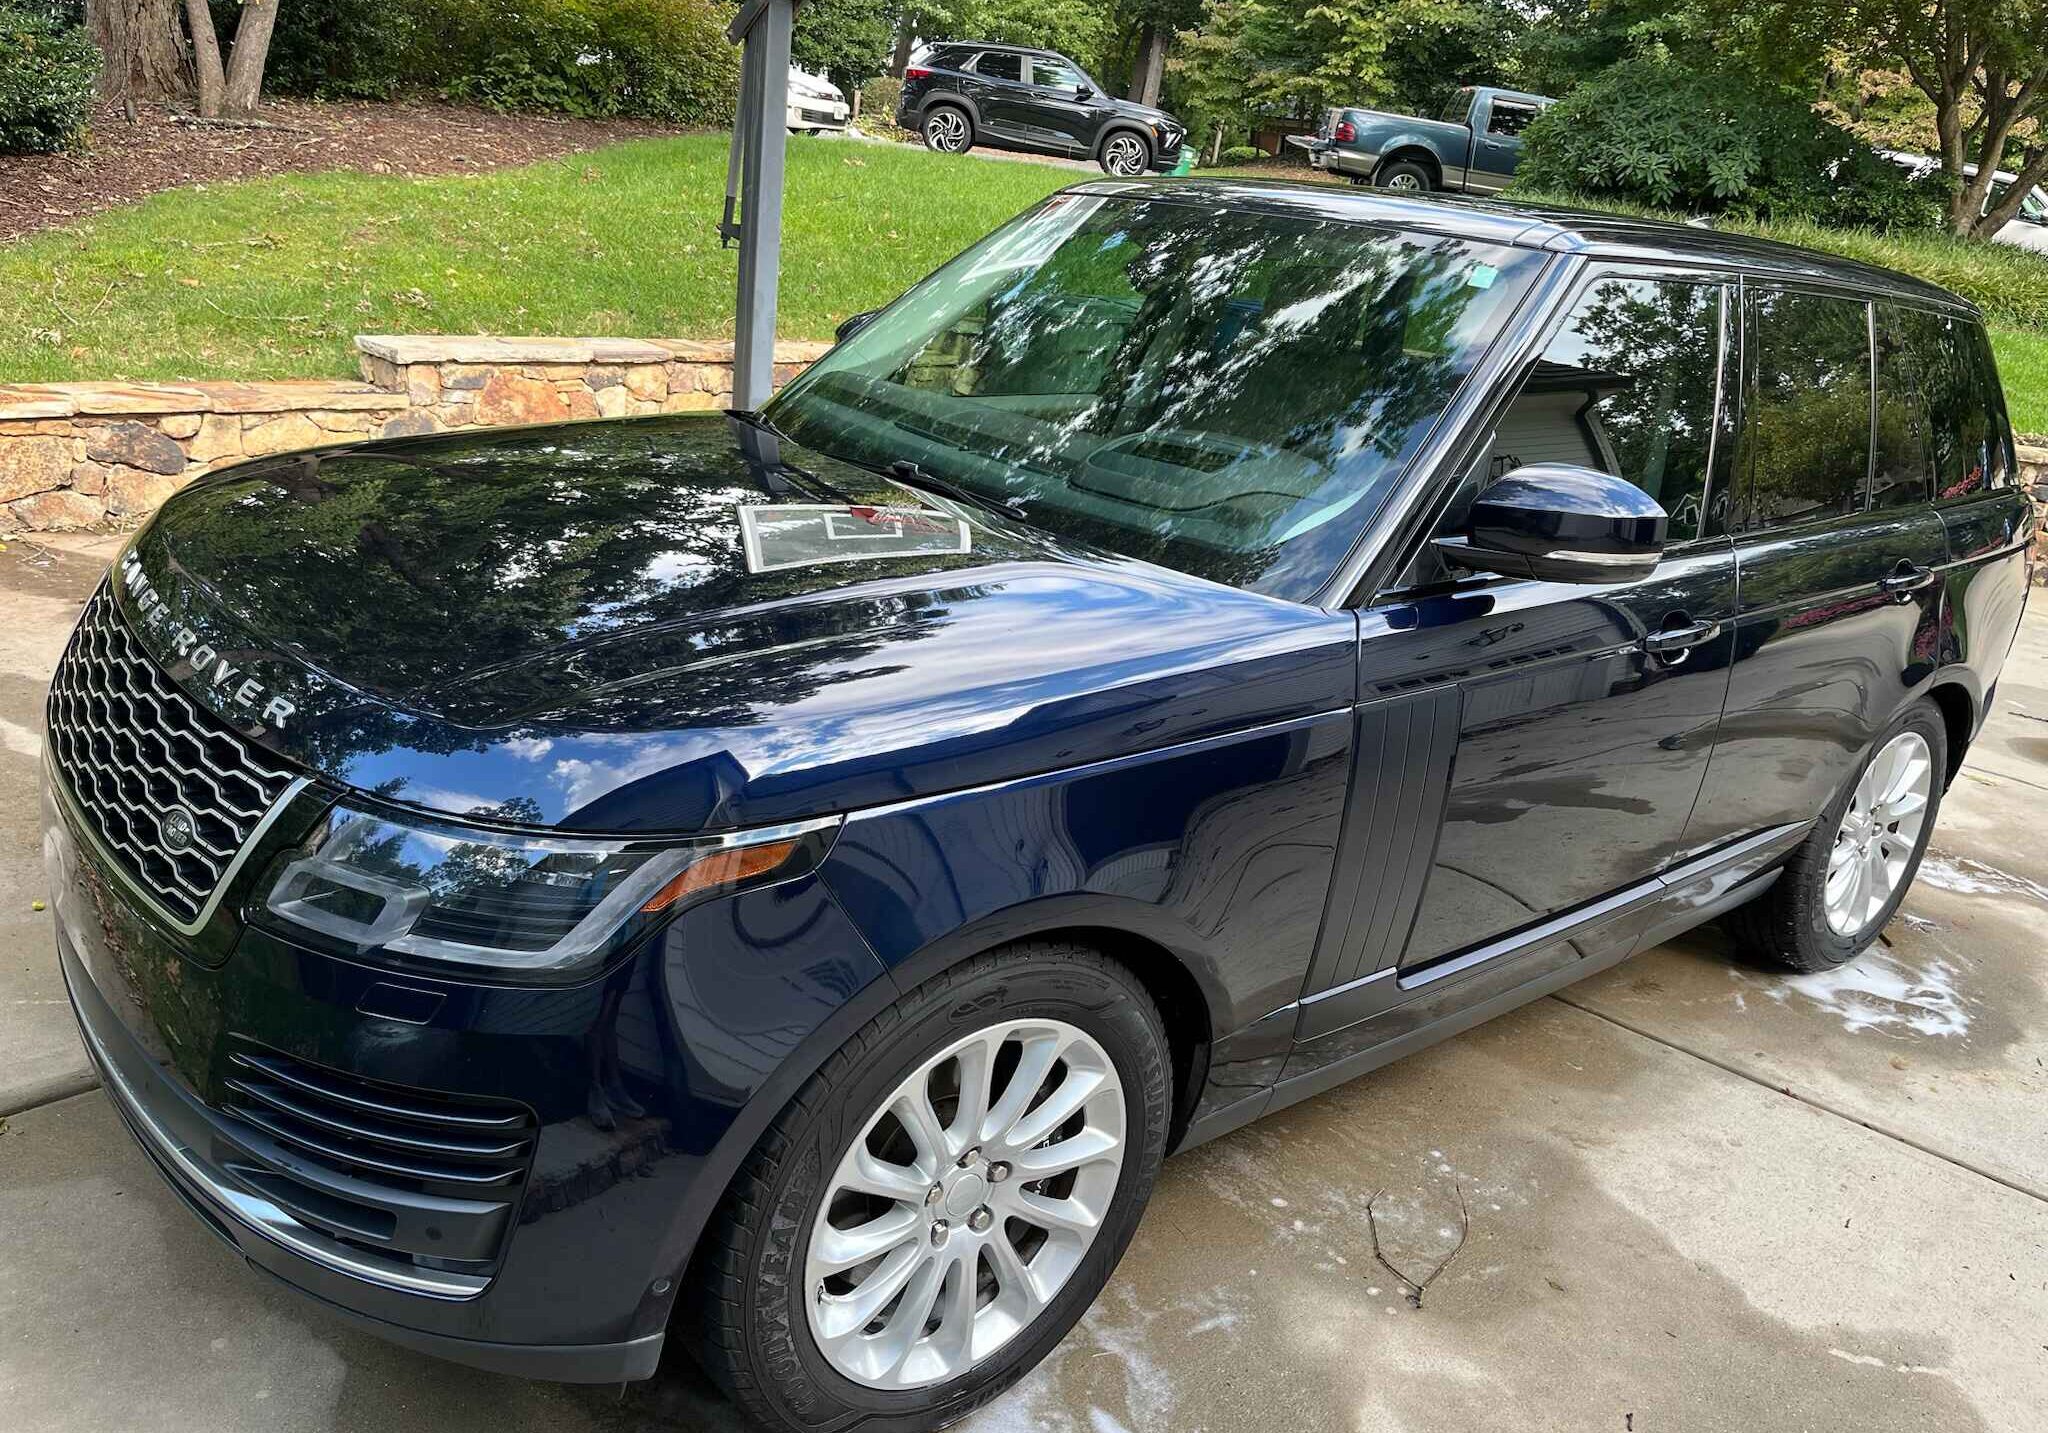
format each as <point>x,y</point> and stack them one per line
<point>132,748</point>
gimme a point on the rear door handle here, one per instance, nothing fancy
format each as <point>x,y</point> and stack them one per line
<point>1906,579</point>
<point>1669,640</point>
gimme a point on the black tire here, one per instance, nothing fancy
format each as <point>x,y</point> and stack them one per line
<point>953,121</point>
<point>1126,147</point>
<point>1405,175</point>
<point>1788,923</point>
<point>747,1322</point>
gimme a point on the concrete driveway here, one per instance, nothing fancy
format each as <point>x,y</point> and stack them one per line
<point>1701,1196</point>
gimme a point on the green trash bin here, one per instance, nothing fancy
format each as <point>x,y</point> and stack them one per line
<point>1186,161</point>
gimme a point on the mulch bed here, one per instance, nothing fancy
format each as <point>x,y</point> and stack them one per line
<point>126,160</point>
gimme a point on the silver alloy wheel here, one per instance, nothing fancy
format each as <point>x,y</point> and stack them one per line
<point>1124,155</point>
<point>1403,183</point>
<point>946,130</point>
<point>965,1204</point>
<point>1879,832</point>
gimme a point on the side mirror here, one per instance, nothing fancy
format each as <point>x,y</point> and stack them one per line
<point>1560,523</point>
<point>848,327</point>
<point>1083,92</point>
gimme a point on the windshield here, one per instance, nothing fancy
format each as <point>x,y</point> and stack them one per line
<point>1225,393</point>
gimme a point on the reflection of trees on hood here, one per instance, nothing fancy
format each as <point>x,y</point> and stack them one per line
<point>478,577</point>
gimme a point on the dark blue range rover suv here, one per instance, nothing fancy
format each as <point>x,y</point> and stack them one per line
<point>790,877</point>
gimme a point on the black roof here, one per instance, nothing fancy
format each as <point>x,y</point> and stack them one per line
<point>1542,226</point>
<point>997,47</point>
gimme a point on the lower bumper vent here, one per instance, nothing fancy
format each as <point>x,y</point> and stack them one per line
<point>402,1173</point>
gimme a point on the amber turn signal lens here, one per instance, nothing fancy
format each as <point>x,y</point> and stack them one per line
<point>721,868</point>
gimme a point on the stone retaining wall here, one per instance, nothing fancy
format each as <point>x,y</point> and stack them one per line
<point>81,455</point>
<point>2034,476</point>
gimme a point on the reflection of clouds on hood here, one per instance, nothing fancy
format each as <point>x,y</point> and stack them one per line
<point>582,781</point>
<point>440,798</point>
<point>529,748</point>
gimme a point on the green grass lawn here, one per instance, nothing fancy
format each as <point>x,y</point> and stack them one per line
<point>2023,367</point>
<point>272,278</point>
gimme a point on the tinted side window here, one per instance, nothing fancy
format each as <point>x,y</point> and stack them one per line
<point>1000,67</point>
<point>1904,472</point>
<point>1805,448</point>
<point>1053,75</point>
<point>1627,386</point>
<point>1999,458</point>
<point>1961,401</point>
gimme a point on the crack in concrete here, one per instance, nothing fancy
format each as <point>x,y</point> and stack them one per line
<point>1811,1101</point>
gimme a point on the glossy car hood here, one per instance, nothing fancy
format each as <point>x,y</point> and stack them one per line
<point>564,626</point>
<point>1148,113</point>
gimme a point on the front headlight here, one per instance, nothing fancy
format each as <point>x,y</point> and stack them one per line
<point>514,905</point>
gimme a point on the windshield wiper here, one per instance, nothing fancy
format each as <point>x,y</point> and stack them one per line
<point>912,476</point>
<point>781,467</point>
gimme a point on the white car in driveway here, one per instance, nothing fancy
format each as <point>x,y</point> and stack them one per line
<point>815,103</point>
<point>2028,229</point>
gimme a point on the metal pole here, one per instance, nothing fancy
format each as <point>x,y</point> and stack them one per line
<point>763,27</point>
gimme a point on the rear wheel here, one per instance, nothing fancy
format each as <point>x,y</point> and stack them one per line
<point>1405,176</point>
<point>940,1203</point>
<point>1850,875</point>
<point>1125,155</point>
<point>946,129</point>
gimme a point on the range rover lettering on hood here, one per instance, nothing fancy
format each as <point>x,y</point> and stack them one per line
<point>208,665</point>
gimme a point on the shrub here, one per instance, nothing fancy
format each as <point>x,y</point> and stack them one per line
<point>656,59</point>
<point>338,49</point>
<point>47,72</point>
<point>879,98</point>
<point>1654,132</point>
<point>1241,154</point>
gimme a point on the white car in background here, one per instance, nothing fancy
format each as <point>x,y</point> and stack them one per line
<point>815,103</point>
<point>2028,229</point>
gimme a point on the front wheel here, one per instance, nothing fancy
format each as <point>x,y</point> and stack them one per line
<point>1850,875</point>
<point>1125,155</point>
<point>943,1200</point>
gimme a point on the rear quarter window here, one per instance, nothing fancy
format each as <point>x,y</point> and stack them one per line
<point>1965,408</point>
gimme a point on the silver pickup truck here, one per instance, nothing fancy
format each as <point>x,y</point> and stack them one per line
<point>1472,149</point>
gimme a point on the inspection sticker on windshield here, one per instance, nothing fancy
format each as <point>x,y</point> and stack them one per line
<point>808,534</point>
<point>1481,276</point>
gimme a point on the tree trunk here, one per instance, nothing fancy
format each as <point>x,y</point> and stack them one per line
<point>252,52</point>
<point>1216,144</point>
<point>205,56</point>
<point>906,40</point>
<point>144,49</point>
<point>1150,66</point>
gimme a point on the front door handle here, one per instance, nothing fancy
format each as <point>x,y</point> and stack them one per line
<point>1672,643</point>
<point>1907,578</point>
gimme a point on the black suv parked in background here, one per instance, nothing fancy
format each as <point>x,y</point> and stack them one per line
<point>1013,98</point>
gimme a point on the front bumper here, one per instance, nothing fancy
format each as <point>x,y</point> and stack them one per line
<point>815,114</point>
<point>193,1152</point>
<point>628,1087</point>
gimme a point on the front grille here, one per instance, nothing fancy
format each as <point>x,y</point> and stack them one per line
<point>400,1171</point>
<point>131,747</point>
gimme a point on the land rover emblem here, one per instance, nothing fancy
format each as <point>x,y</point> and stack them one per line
<point>177,830</point>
